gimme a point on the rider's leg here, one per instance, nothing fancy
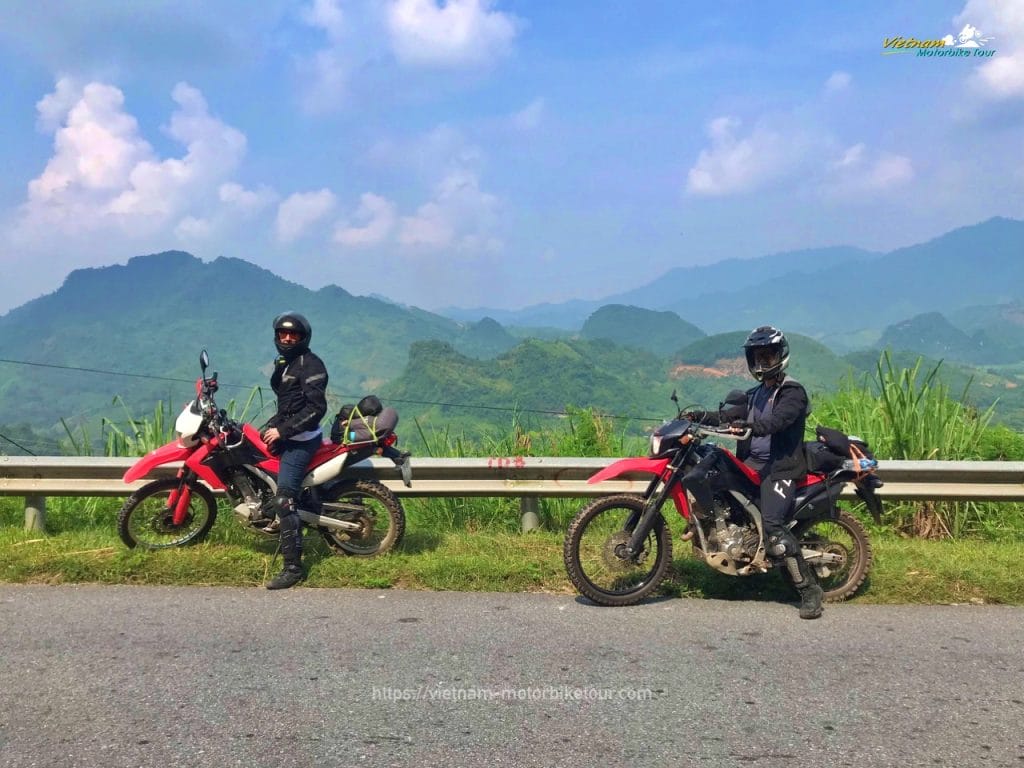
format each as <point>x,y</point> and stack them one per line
<point>776,508</point>
<point>294,461</point>
<point>291,544</point>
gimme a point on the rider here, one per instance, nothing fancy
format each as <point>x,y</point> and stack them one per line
<point>776,411</point>
<point>293,434</point>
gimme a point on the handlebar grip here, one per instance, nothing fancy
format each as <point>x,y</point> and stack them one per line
<point>727,432</point>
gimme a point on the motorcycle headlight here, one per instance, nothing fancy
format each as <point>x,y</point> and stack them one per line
<point>655,445</point>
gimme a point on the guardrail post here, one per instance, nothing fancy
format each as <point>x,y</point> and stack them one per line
<point>529,507</point>
<point>35,513</point>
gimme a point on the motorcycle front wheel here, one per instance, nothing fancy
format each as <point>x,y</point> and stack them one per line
<point>147,518</point>
<point>846,538</point>
<point>376,509</point>
<point>594,557</point>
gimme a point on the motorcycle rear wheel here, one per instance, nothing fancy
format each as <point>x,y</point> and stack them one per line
<point>844,536</point>
<point>145,520</point>
<point>591,552</point>
<point>376,508</point>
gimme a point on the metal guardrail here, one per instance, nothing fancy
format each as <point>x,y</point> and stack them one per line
<point>36,477</point>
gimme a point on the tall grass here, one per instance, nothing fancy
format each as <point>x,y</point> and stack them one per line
<point>903,413</point>
<point>581,432</point>
<point>907,413</point>
<point>910,414</point>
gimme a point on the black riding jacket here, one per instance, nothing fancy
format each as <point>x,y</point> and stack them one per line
<point>790,408</point>
<point>301,389</point>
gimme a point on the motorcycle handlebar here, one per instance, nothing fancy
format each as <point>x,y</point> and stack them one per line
<point>730,433</point>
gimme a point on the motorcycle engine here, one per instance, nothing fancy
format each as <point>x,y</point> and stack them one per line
<point>738,542</point>
<point>250,508</point>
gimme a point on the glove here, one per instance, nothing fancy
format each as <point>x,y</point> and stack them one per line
<point>740,424</point>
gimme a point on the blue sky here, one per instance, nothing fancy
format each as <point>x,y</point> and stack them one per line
<point>500,153</point>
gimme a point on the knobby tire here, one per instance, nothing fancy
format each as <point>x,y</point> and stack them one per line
<point>144,519</point>
<point>589,552</point>
<point>383,513</point>
<point>857,549</point>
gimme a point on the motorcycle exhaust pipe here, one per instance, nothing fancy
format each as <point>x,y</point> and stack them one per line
<point>310,518</point>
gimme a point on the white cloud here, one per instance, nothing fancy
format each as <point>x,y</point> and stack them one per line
<point>457,206</point>
<point>430,227</point>
<point>95,152</point>
<point>379,216</point>
<point>861,171</point>
<point>1002,76</point>
<point>735,164</point>
<point>326,15</point>
<point>247,202</point>
<point>838,81</point>
<point>214,150</point>
<point>107,190</point>
<point>54,107</point>
<point>457,214</point>
<point>529,118</point>
<point>300,211</point>
<point>193,229</point>
<point>458,32</point>
<point>326,84</point>
<point>325,73</point>
<point>104,175</point>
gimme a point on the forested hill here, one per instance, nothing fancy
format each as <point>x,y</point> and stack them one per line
<point>147,320</point>
<point>152,316</point>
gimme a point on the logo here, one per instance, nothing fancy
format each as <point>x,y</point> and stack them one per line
<point>970,43</point>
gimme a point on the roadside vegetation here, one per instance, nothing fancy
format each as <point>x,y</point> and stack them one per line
<point>924,552</point>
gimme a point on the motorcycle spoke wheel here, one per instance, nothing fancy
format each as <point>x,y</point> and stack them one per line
<point>379,514</point>
<point>146,521</point>
<point>845,537</point>
<point>594,556</point>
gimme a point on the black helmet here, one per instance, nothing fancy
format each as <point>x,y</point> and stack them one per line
<point>292,321</point>
<point>766,338</point>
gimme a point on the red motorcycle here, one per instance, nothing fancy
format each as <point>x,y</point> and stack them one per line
<point>359,517</point>
<point>618,548</point>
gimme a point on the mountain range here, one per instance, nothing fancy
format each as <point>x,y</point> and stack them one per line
<point>843,296</point>
<point>134,332</point>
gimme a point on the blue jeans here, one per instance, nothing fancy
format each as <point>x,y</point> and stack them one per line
<point>294,461</point>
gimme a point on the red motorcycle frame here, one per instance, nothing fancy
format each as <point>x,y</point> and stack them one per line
<point>618,548</point>
<point>356,516</point>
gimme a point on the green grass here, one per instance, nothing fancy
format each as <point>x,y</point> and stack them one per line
<point>475,544</point>
<point>83,547</point>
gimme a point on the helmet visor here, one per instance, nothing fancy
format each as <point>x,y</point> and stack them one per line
<point>766,359</point>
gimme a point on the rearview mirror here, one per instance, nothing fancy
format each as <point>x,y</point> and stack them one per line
<point>204,361</point>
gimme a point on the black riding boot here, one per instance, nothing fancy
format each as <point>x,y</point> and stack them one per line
<point>291,546</point>
<point>800,573</point>
<point>808,587</point>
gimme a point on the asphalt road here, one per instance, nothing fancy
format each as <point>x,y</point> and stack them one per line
<point>148,676</point>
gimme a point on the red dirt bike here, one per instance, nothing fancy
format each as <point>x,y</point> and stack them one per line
<point>618,548</point>
<point>359,517</point>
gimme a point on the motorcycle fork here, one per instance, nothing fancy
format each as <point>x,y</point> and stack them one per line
<point>654,499</point>
<point>181,497</point>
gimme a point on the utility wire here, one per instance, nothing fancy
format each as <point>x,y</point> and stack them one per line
<point>108,373</point>
<point>505,409</point>
<point>19,445</point>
